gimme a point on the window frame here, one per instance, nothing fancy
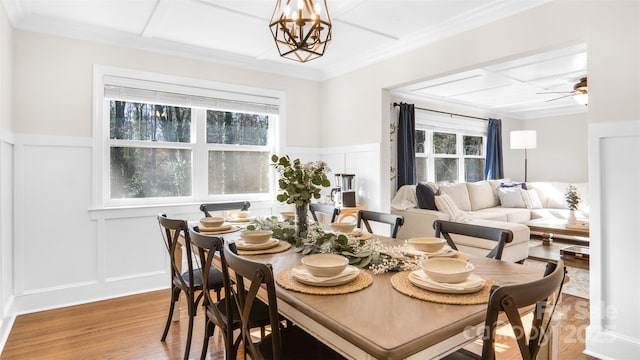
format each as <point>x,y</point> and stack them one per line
<point>431,123</point>
<point>106,75</point>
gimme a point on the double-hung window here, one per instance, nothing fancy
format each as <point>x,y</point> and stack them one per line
<point>449,150</point>
<point>175,140</point>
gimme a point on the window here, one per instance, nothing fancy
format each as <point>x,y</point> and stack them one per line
<point>175,140</point>
<point>448,150</point>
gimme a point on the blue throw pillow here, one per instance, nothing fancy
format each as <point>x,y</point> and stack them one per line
<point>426,197</point>
<point>509,185</point>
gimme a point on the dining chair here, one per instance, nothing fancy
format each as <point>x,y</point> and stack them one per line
<point>222,313</point>
<point>510,299</point>
<point>396,221</point>
<point>501,236</point>
<point>326,209</point>
<point>290,342</point>
<point>190,281</point>
<point>237,205</point>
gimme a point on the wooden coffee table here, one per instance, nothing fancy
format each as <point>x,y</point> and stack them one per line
<point>550,227</point>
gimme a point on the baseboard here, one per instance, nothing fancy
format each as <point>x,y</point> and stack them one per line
<point>609,345</point>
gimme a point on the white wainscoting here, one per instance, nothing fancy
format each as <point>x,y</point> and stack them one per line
<point>67,253</point>
<point>6,235</point>
<point>614,175</point>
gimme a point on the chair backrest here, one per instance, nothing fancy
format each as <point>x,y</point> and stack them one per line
<point>208,247</point>
<point>501,236</point>
<point>396,221</point>
<point>544,293</point>
<point>259,275</point>
<point>330,210</point>
<point>171,230</point>
<point>237,205</point>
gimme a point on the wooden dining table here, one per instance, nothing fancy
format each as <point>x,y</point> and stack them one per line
<point>379,322</point>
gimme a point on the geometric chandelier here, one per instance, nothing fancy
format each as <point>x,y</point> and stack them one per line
<point>301,28</point>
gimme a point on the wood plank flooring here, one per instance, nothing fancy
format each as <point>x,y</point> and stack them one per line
<point>130,328</point>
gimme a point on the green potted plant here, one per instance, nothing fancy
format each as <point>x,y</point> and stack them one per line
<point>573,200</point>
<point>300,183</point>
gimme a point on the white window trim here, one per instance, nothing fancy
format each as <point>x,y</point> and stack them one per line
<point>196,87</point>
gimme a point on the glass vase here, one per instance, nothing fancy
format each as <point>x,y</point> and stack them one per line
<point>302,220</point>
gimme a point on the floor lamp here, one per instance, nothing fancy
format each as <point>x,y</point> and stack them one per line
<point>523,139</point>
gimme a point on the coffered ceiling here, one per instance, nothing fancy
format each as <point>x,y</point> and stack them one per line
<point>236,32</point>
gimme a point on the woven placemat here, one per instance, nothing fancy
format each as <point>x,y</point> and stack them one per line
<point>282,246</point>
<point>400,282</point>
<point>286,280</point>
<point>227,231</point>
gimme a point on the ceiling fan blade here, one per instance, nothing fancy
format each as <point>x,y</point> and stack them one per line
<point>558,98</point>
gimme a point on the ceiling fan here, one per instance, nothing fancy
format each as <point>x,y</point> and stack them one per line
<point>579,93</point>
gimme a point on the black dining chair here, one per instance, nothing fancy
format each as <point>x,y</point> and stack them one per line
<point>189,281</point>
<point>365,216</point>
<point>329,210</point>
<point>222,313</point>
<point>289,342</point>
<point>237,205</point>
<point>501,236</point>
<point>510,299</point>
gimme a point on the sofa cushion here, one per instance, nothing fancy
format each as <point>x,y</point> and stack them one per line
<point>426,197</point>
<point>445,204</point>
<point>458,193</point>
<point>481,195</point>
<point>531,199</point>
<point>405,198</point>
<point>511,197</point>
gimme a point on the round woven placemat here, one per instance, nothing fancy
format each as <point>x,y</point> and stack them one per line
<point>400,282</point>
<point>227,231</point>
<point>282,246</point>
<point>286,280</point>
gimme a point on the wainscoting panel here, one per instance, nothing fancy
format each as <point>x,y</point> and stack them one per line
<point>6,235</point>
<point>614,173</point>
<point>56,241</point>
<point>133,248</point>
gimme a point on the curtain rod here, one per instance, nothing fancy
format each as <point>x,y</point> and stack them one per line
<point>447,113</point>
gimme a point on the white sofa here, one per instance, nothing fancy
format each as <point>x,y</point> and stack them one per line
<point>482,203</point>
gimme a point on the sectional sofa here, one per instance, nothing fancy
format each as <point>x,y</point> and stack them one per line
<point>495,203</point>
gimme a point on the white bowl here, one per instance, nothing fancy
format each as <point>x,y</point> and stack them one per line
<point>256,236</point>
<point>343,227</point>
<point>325,265</point>
<point>427,244</point>
<point>211,222</point>
<point>447,270</point>
<point>286,215</point>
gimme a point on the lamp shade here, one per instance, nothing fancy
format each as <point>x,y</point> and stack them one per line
<point>523,139</point>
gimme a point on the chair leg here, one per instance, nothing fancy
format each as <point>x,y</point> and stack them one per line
<point>192,313</point>
<point>175,295</point>
<point>209,328</point>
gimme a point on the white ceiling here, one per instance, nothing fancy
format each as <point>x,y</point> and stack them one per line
<point>236,32</point>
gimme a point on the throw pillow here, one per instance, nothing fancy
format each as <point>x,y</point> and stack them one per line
<point>426,197</point>
<point>531,199</point>
<point>514,184</point>
<point>445,204</point>
<point>511,197</point>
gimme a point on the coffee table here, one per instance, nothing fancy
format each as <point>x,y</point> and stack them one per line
<point>549,227</point>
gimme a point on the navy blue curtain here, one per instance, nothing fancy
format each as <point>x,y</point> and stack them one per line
<point>406,145</point>
<point>493,168</point>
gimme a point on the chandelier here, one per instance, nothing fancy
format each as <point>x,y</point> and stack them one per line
<point>301,28</point>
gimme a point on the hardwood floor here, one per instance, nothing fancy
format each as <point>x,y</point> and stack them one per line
<point>130,328</point>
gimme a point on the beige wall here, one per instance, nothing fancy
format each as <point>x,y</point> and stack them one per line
<point>6,63</point>
<point>53,85</point>
<point>610,29</point>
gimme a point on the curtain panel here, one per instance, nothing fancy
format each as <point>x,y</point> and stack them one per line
<point>406,145</point>
<point>493,168</point>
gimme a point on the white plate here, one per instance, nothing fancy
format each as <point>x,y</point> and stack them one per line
<point>335,282</point>
<point>243,245</point>
<point>223,227</point>
<point>417,278</point>
<point>446,251</point>
<point>240,220</point>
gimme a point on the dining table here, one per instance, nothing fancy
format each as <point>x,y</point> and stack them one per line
<point>380,322</point>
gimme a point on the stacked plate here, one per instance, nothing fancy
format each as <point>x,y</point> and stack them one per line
<point>446,251</point>
<point>445,275</point>
<point>244,245</point>
<point>325,270</point>
<point>302,275</point>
